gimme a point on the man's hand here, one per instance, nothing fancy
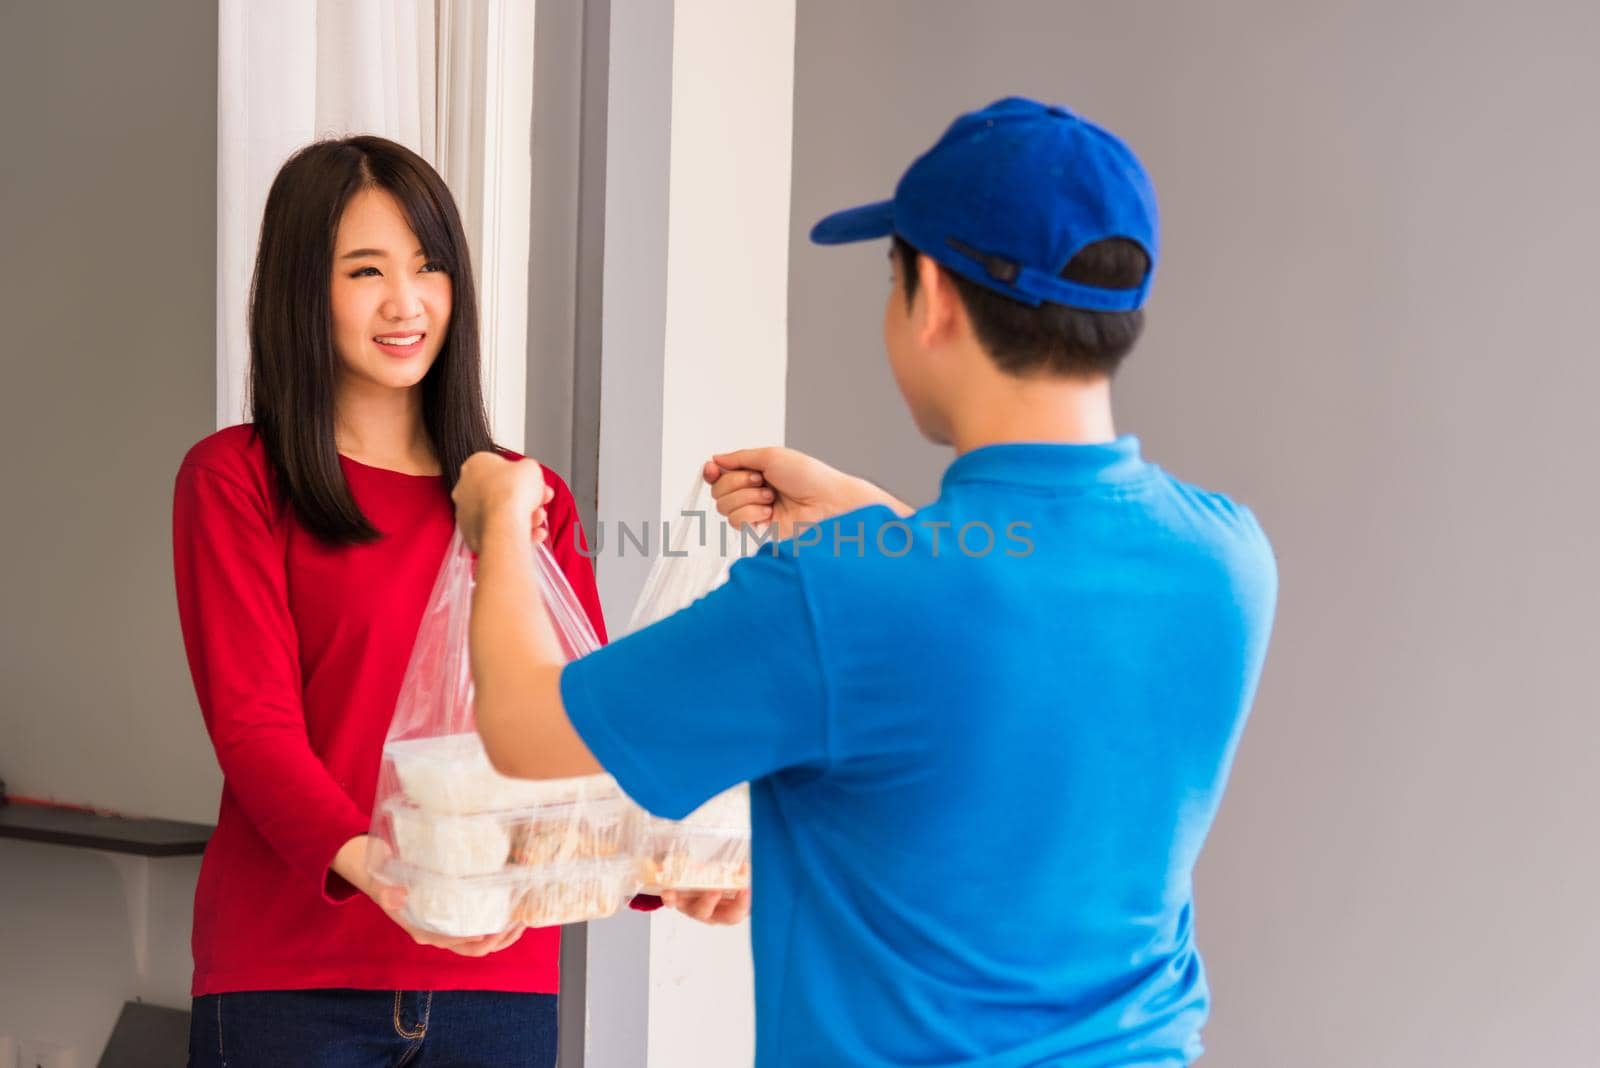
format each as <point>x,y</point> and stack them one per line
<point>710,906</point>
<point>351,863</point>
<point>787,488</point>
<point>493,489</point>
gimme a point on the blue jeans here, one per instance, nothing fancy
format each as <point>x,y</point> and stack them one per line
<point>373,1029</point>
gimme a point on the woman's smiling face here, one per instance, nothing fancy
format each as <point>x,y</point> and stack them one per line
<point>391,304</point>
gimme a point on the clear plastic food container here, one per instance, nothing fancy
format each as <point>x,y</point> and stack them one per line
<point>461,907</point>
<point>707,850</point>
<point>729,809</point>
<point>485,843</point>
<point>584,830</point>
<point>446,844</point>
<point>480,905</point>
<point>679,857</point>
<point>572,893</point>
<point>451,773</point>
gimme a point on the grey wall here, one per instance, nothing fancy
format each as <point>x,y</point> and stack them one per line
<point>553,242</point>
<point>570,72</point>
<point>107,295</point>
<point>1373,323</point>
<point>109,285</point>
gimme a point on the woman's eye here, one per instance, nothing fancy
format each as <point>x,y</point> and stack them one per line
<point>365,272</point>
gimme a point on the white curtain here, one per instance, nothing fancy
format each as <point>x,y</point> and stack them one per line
<point>450,79</point>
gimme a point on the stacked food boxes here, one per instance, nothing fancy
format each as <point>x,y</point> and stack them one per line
<point>479,852</point>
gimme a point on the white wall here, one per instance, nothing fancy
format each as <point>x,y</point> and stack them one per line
<point>1373,323</point>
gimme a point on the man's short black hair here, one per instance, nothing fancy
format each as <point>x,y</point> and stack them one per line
<point>1051,339</point>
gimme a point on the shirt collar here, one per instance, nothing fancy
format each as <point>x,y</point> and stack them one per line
<point>1050,464</point>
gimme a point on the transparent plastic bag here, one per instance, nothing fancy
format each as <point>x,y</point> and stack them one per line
<point>478,851</point>
<point>698,549</point>
<point>710,849</point>
<point>436,696</point>
<point>707,850</point>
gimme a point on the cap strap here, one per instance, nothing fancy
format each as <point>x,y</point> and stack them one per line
<point>1033,286</point>
<point>998,267</point>
<point>1058,290</point>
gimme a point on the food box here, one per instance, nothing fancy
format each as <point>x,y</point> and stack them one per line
<point>707,850</point>
<point>572,893</point>
<point>452,773</point>
<point>460,907</point>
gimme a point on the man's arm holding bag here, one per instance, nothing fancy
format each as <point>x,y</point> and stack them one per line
<point>516,655</point>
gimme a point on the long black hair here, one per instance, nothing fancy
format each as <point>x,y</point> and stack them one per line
<point>292,358</point>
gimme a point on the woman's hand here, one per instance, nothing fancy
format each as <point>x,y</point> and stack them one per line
<point>351,864</point>
<point>710,906</point>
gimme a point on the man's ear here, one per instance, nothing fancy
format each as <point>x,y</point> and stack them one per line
<point>944,315</point>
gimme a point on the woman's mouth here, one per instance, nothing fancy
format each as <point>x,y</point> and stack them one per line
<point>400,344</point>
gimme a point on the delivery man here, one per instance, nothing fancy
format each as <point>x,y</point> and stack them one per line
<point>985,738</point>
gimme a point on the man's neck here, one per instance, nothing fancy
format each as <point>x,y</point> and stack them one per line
<point>1002,409</point>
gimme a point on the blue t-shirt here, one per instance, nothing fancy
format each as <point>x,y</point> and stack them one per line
<point>985,745</point>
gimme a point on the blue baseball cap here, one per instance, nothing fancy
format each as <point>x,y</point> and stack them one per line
<point>1008,196</point>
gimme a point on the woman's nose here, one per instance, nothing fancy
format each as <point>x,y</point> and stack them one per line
<point>404,301</point>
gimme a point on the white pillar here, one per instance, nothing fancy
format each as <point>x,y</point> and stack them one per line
<point>726,364</point>
<point>695,359</point>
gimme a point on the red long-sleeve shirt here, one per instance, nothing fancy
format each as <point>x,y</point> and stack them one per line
<point>297,649</point>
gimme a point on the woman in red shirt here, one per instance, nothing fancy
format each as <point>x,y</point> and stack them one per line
<point>306,545</point>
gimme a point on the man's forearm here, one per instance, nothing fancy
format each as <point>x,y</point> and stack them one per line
<point>516,657</point>
<point>864,493</point>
